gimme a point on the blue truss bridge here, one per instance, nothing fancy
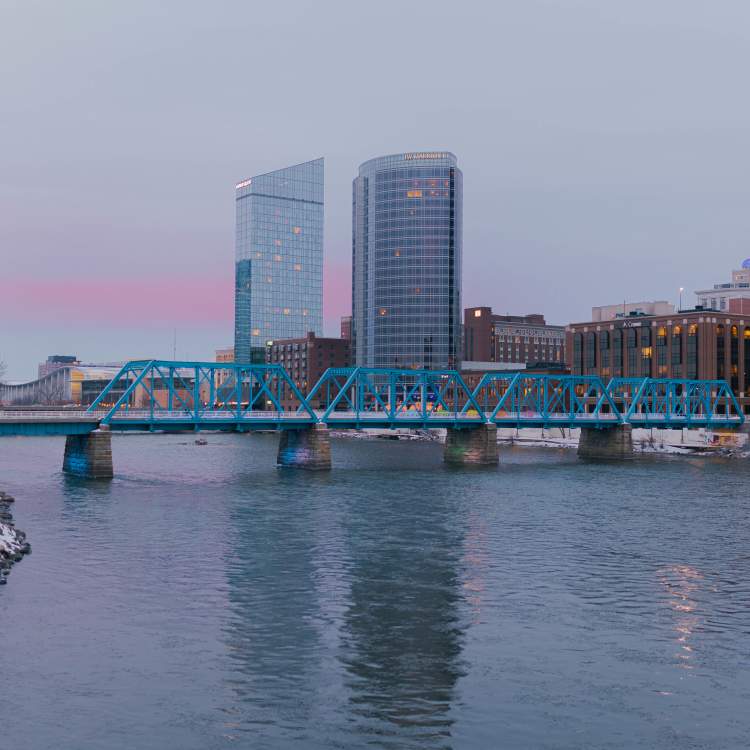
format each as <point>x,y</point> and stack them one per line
<point>160,395</point>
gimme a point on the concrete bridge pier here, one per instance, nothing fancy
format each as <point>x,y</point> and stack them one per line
<point>89,456</point>
<point>305,448</point>
<point>613,443</point>
<point>473,446</point>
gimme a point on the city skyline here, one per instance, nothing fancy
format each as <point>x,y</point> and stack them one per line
<point>584,164</point>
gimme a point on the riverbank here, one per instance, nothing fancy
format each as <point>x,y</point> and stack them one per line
<point>13,544</point>
<point>648,441</point>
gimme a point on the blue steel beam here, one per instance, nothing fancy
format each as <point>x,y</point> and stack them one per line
<point>219,395</point>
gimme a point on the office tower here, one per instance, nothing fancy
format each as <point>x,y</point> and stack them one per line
<point>406,261</point>
<point>278,258</point>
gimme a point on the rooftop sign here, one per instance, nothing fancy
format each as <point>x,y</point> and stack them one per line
<point>426,155</point>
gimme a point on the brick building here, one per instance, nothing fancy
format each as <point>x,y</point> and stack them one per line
<point>306,360</point>
<point>691,344</point>
<point>511,338</point>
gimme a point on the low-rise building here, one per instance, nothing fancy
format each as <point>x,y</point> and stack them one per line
<point>489,337</point>
<point>306,360</point>
<point>719,296</point>
<point>689,344</point>
<point>625,309</point>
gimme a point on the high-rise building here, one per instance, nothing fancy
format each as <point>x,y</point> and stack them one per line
<point>406,261</point>
<point>346,327</point>
<point>278,258</point>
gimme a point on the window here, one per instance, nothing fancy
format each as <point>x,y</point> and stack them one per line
<point>676,358</point>
<point>720,352</point>
<point>577,354</point>
<point>692,352</point>
<point>617,352</point>
<point>631,342</point>
<point>661,352</point>
<point>604,353</point>
<point>590,353</point>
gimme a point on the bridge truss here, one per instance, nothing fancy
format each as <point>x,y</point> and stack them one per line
<point>157,394</point>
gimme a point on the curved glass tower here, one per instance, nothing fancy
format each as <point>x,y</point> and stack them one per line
<point>406,261</point>
<point>278,258</point>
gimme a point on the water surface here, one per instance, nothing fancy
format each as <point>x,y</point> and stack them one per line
<point>206,599</point>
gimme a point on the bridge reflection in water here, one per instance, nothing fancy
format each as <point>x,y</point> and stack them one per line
<point>175,395</point>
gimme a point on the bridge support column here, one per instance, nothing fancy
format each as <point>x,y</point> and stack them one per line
<point>89,456</point>
<point>305,448</point>
<point>475,446</point>
<point>607,443</point>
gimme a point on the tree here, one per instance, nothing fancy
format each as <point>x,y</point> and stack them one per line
<point>3,369</point>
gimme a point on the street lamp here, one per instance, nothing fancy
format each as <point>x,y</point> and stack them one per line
<point>682,289</point>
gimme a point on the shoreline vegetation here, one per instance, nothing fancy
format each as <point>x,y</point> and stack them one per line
<point>13,544</point>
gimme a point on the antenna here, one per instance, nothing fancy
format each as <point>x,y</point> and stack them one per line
<point>174,344</point>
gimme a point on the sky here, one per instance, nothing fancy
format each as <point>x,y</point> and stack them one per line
<point>604,147</point>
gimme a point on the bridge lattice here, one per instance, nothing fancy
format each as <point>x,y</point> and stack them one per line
<point>157,394</point>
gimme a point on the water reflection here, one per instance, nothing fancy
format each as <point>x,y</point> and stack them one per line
<point>682,584</point>
<point>403,630</point>
<point>271,636</point>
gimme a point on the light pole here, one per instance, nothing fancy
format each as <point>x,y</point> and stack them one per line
<point>682,289</point>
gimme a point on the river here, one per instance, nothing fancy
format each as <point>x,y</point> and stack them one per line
<point>206,599</point>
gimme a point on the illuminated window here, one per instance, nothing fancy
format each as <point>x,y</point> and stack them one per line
<point>477,313</point>
<point>383,311</point>
<point>297,230</point>
<point>277,258</point>
<point>269,279</point>
<point>413,193</point>
<point>286,311</point>
<point>397,253</point>
<point>256,331</point>
<point>418,290</point>
<point>297,266</point>
<point>304,312</point>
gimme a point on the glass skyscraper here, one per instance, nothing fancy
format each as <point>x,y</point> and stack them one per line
<point>406,261</point>
<point>278,258</point>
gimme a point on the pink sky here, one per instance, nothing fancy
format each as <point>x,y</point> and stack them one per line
<point>181,300</point>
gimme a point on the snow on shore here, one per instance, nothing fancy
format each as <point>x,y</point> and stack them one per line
<point>13,544</point>
<point>654,441</point>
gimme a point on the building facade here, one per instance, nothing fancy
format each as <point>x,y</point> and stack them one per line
<point>55,362</point>
<point>406,261</point>
<point>519,339</point>
<point>719,296</point>
<point>306,359</point>
<point>278,257</point>
<point>691,344</point>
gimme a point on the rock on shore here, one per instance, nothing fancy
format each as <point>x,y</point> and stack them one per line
<point>13,544</point>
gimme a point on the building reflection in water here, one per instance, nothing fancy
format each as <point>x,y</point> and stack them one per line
<point>403,631</point>
<point>271,633</point>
